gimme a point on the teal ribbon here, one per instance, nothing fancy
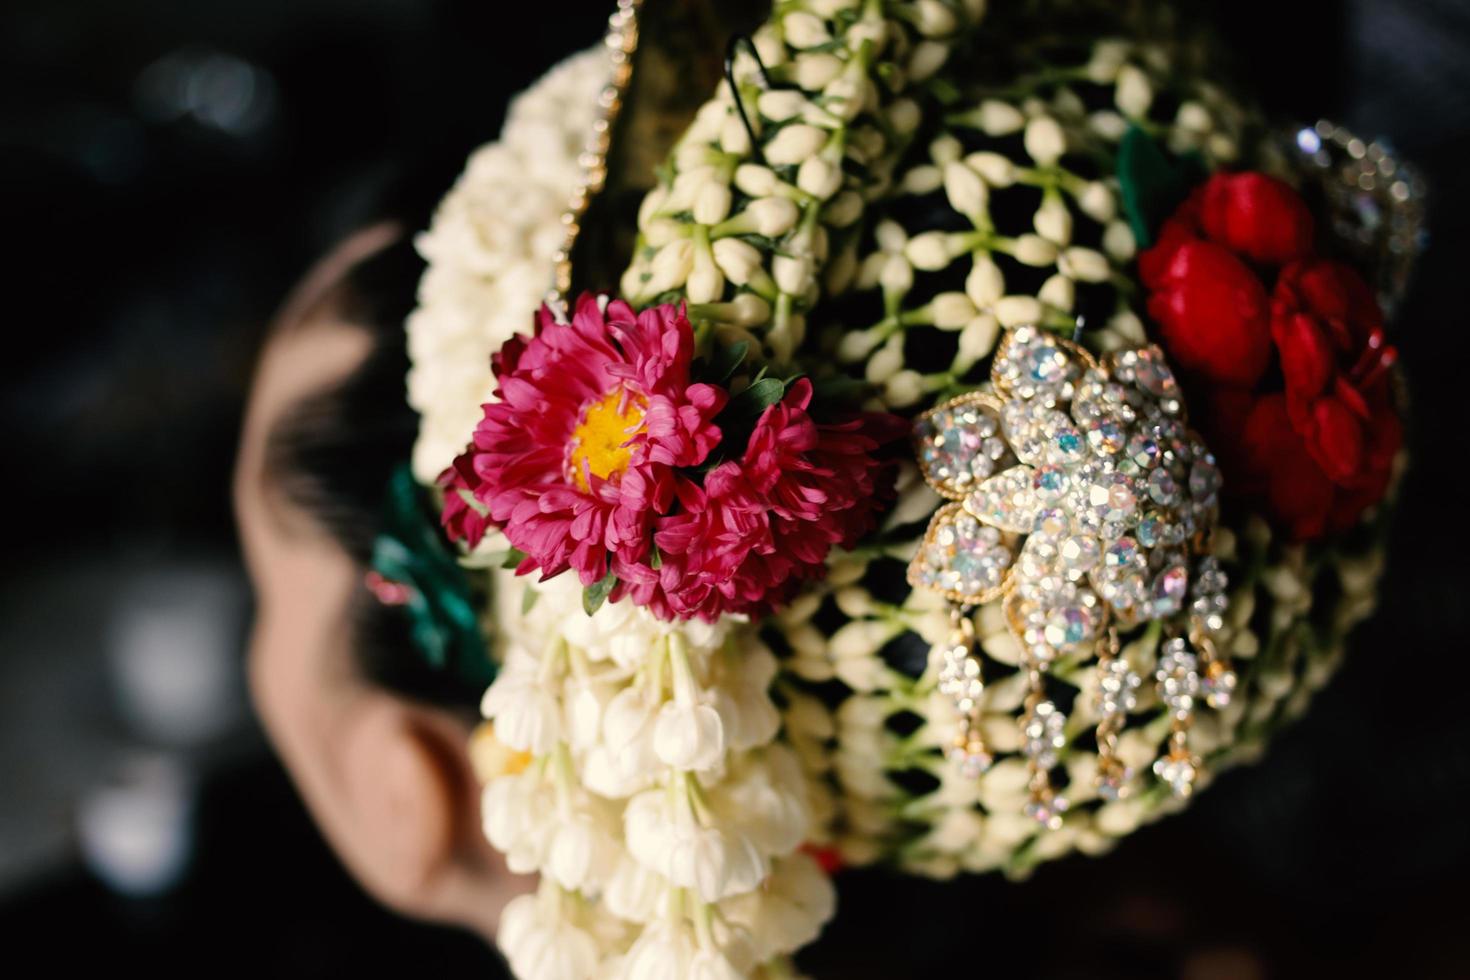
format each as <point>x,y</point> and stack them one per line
<point>412,551</point>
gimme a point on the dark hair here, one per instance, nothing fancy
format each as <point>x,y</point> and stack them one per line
<point>333,454</point>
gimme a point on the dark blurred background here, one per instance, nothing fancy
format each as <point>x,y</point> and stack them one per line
<point>168,169</point>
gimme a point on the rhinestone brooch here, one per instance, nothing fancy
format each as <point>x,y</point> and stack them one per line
<point>1079,497</point>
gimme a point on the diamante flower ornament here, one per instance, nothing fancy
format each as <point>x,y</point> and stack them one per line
<point>1080,497</point>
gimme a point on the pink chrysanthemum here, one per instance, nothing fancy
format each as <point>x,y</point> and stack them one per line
<point>577,458</point>
<point>740,542</point>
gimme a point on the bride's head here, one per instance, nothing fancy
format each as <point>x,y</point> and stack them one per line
<point>375,742</point>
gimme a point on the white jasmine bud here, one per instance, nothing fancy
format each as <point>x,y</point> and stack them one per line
<point>1127,325</point>
<point>868,30</point>
<point>691,153</point>
<point>794,143</point>
<point>951,311</point>
<point>923,179</point>
<point>934,19</point>
<point>660,231</point>
<point>830,8</point>
<point>706,283</point>
<point>903,116</point>
<point>738,260</point>
<point>856,345</point>
<point>967,193</point>
<point>903,389</point>
<point>896,275</point>
<point>1223,148</point>
<point>818,178</point>
<point>1118,241</point>
<point>670,267</point>
<point>712,203</point>
<point>926,59</point>
<point>1058,292</point>
<point>755,180</point>
<point>1109,125</point>
<point>1194,117</point>
<point>945,149</point>
<point>1134,93</point>
<point>846,96</point>
<point>1085,265</point>
<point>749,310</point>
<point>985,284</point>
<point>1045,141</point>
<point>1053,221</point>
<point>929,250</point>
<point>996,169</point>
<point>886,362</point>
<point>773,216</point>
<point>804,30</point>
<point>734,139</point>
<point>1107,58</point>
<point>977,340</point>
<point>793,274</point>
<point>653,202</point>
<point>771,48</point>
<point>779,105</point>
<point>998,118</point>
<point>814,70</point>
<point>890,235</point>
<point>843,209</point>
<point>1015,311</point>
<point>1034,250</point>
<point>1097,202</point>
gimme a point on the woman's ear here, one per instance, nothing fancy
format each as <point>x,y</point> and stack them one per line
<point>415,808</point>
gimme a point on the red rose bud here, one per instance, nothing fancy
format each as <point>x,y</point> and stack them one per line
<point>1334,436</point>
<point>1212,314</point>
<point>1279,471</point>
<point>1258,216</point>
<point>1335,297</point>
<point>1306,354</point>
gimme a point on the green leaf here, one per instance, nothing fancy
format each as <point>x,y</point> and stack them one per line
<point>655,559</point>
<point>528,599</point>
<point>1153,182</point>
<point>726,360</point>
<point>839,391</point>
<point>593,596</point>
<point>513,558</point>
<point>760,396</point>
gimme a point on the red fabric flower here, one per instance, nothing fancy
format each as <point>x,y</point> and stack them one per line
<point>1212,314</point>
<point>1315,443</point>
<point>1256,216</point>
<point>590,461</point>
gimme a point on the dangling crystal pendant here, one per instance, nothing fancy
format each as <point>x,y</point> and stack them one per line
<point>960,680</point>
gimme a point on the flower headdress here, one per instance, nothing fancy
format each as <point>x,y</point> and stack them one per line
<point>952,479</point>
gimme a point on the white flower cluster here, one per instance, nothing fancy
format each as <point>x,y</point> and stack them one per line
<point>648,791</point>
<point>1055,130</point>
<point>753,232</point>
<point>489,254</point>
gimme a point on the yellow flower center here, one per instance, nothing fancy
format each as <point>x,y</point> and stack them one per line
<point>600,440</point>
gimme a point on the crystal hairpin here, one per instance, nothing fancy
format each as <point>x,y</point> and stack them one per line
<point>1079,498</point>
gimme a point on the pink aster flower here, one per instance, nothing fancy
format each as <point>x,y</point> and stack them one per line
<point>575,460</point>
<point>741,542</point>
